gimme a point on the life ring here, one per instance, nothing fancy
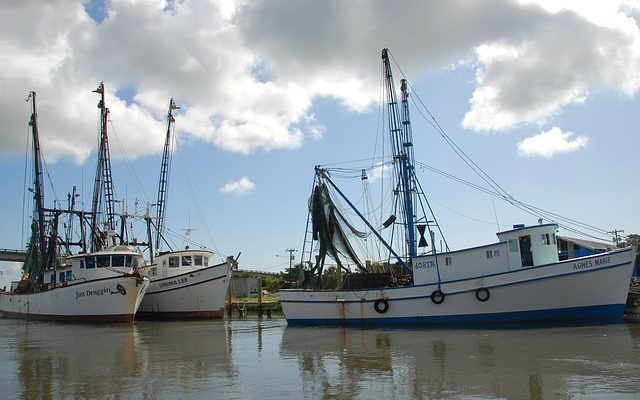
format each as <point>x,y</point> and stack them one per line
<point>381,306</point>
<point>437,296</point>
<point>482,294</point>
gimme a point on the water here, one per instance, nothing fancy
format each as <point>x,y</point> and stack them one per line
<point>265,359</point>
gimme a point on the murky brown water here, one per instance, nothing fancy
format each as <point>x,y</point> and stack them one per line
<point>265,359</point>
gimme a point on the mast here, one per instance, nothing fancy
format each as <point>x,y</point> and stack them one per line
<point>38,194</point>
<point>164,175</point>
<point>402,144</point>
<point>103,176</point>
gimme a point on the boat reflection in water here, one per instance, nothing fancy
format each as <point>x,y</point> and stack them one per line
<point>74,361</point>
<point>535,363</point>
<point>159,360</point>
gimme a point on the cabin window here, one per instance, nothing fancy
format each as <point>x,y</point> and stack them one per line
<point>447,261</point>
<point>103,261</point>
<point>553,237</point>
<point>61,276</point>
<point>489,254</point>
<point>153,272</point>
<point>90,262</point>
<point>206,261</point>
<point>117,261</point>
<point>53,278</point>
<point>186,261</point>
<point>164,263</point>
<point>546,239</point>
<point>197,260</point>
<point>81,263</point>
<point>68,276</point>
<point>127,261</point>
<point>513,246</point>
<point>174,262</point>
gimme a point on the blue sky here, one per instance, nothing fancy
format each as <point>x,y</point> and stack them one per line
<point>542,95</point>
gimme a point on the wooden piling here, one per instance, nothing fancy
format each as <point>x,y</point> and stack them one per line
<point>260,296</point>
<point>229,302</point>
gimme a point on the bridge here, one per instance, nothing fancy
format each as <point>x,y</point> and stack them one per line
<point>12,255</point>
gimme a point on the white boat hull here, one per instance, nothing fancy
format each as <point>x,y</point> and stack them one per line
<point>197,294</point>
<point>113,299</point>
<point>584,288</point>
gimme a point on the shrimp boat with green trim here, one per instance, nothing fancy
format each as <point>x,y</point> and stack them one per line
<point>518,278</point>
<point>98,286</point>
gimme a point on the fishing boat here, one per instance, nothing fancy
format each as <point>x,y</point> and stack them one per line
<point>185,284</point>
<point>517,278</point>
<point>89,286</point>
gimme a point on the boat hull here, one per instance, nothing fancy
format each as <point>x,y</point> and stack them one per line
<point>197,294</point>
<point>113,299</point>
<point>592,287</point>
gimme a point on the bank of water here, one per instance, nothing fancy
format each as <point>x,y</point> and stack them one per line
<point>251,358</point>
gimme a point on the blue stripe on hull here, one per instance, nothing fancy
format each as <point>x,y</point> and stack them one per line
<point>576,314</point>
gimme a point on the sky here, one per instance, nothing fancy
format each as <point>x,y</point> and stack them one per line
<point>543,95</point>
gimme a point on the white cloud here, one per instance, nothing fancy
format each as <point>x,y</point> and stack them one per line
<point>247,73</point>
<point>239,187</point>
<point>577,49</point>
<point>379,171</point>
<point>548,144</point>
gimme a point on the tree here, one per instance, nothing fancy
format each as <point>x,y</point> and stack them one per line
<point>632,239</point>
<point>331,278</point>
<point>272,283</point>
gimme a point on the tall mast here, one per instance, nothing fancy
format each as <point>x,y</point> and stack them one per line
<point>164,175</point>
<point>401,141</point>
<point>103,175</point>
<point>37,183</point>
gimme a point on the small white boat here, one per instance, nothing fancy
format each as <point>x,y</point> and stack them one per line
<point>517,278</point>
<point>185,286</point>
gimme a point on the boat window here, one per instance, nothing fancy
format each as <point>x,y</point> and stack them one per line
<point>81,263</point>
<point>103,261</point>
<point>117,261</point>
<point>186,261</point>
<point>127,261</point>
<point>61,276</point>
<point>447,261</point>
<point>68,276</point>
<point>513,246</point>
<point>153,272</point>
<point>546,240</point>
<point>206,261</point>
<point>173,262</point>
<point>197,260</point>
<point>164,263</point>
<point>53,278</point>
<point>90,262</point>
<point>553,236</point>
<point>489,254</point>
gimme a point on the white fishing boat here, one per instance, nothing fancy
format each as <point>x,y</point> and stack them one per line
<point>185,284</point>
<point>517,278</point>
<point>95,287</point>
<point>101,285</point>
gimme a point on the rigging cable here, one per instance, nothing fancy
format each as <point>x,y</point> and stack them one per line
<point>536,211</point>
<point>195,200</point>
